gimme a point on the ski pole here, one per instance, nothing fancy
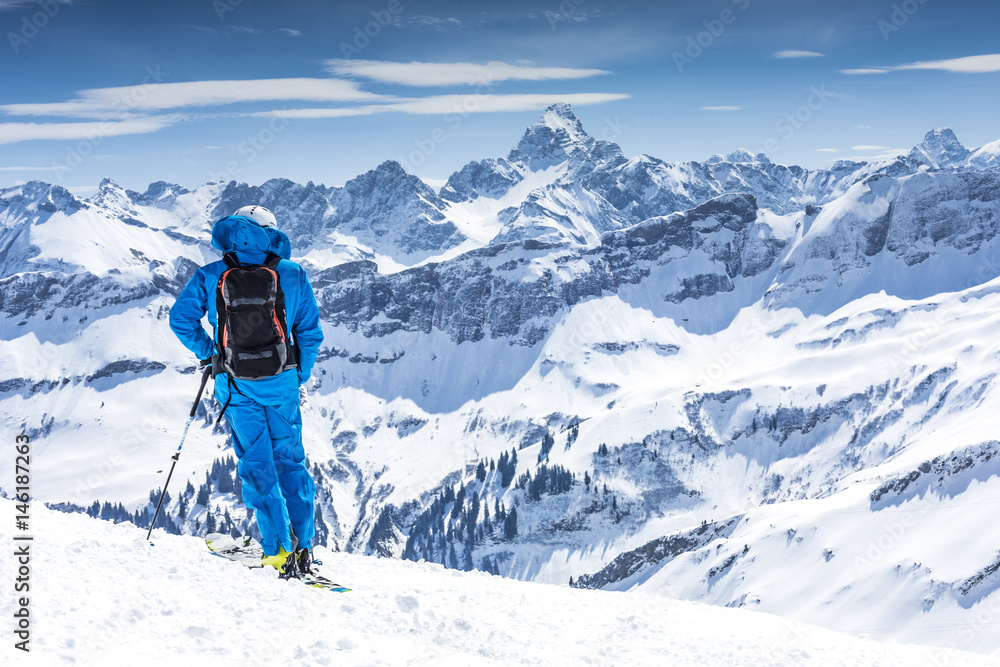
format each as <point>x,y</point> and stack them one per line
<point>177,454</point>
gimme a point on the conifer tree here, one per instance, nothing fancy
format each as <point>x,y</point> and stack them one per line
<point>203,495</point>
<point>510,524</point>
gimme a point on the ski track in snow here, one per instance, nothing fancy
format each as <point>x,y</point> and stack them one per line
<point>102,596</point>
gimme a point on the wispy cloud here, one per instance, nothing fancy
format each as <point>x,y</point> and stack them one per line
<point>452,74</point>
<point>876,153</point>
<point>984,64</point>
<point>435,23</point>
<point>449,104</point>
<point>245,30</point>
<point>827,150</point>
<point>116,102</point>
<point>571,12</point>
<point>797,54</point>
<point>52,168</point>
<point>722,108</point>
<point>146,108</point>
<point>867,70</point>
<point>11,5</point>
<point>14,132</point>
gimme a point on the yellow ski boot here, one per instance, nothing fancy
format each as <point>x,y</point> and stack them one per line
<point>283,562</point>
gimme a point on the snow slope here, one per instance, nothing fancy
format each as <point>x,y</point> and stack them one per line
<point>102,596</point>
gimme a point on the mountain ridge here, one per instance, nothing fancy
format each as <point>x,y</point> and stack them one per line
<point>614,351</point>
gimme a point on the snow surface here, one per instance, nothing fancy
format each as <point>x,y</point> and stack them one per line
<point>101,595</point>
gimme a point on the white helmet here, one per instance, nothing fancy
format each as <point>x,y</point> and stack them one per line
<point>258,214</point>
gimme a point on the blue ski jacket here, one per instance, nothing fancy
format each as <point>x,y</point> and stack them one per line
<point>251,244</point>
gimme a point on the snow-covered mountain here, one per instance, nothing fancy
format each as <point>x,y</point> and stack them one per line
<point>730,381</point>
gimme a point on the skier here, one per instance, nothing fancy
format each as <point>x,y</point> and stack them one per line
<point>260,397</point>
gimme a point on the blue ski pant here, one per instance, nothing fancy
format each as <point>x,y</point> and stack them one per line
<point>272,468</point>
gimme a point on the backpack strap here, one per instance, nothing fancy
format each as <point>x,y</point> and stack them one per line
<point>231,261</point>
<point>272,260</point>
<point>232,387</point>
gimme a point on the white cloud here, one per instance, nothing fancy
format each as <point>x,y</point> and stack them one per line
<point>827,150</point>
<point>53,168</point>
<point>568,12</point>
<point>861,127</point>
<point>883,154</point>
<point>797,54</point>
<point>492,103</point>
<point>11,5</point>
<point>311,114</point>
<point>14,132</point>
<point>865,147</point>
<point>452,74</point>
<point>722,108</point>
<point>244,30</point>
<point>118,102</point>
<point>968,65</point>
<point>290,32</point>
<point>449,104</point>
<point>423,22</point>
<point>138,109</point>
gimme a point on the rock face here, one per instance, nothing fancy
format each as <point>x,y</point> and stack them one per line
<point>559,137</point>
<point>940,149</point>
<point>676,377</point>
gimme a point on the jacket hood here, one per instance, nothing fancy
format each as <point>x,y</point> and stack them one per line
<point>244,236</point>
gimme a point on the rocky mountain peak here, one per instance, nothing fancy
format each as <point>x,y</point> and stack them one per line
<point>940,148</point>
<point>112,196</point>
<point>739,156</point>
<point>387,180</point>
<point>555,137</point>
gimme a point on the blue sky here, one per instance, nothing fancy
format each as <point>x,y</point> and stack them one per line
<point>192,91</point>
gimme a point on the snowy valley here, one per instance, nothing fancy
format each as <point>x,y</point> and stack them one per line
<point>730,382</point>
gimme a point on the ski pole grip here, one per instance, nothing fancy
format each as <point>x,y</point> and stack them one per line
<point>204,381</point>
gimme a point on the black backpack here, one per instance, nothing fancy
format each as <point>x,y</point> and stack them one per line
<point>253,337</point>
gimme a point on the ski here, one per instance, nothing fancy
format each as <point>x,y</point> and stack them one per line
<point>247,550</point>
<point>243,549</point>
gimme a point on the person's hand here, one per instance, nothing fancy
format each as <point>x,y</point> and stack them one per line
<point>202,363</point>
